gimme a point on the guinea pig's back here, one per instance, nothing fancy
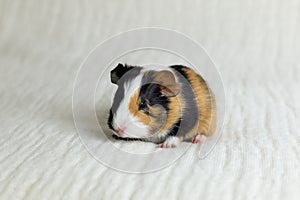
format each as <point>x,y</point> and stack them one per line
<point>204,99</point>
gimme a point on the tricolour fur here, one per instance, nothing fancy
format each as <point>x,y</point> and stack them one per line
<point>157,104</point>
<point>205,100</point>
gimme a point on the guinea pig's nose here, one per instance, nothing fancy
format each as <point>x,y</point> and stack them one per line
<point>120,131</point>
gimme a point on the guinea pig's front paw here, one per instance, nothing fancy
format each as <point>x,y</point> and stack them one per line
<point>199,138</point>
<point>170,142</point>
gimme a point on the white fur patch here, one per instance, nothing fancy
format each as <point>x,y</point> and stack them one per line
<point>170,142</point>
<point>124,118</point>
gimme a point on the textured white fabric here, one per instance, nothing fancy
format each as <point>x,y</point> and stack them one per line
<point>255,45</point>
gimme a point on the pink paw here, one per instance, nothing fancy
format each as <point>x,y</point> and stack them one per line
<point>198,139</point>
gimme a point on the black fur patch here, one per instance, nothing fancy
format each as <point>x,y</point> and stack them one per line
<point>190,114</point>
<point>179,69</point>
<point>109,121</point>
<point>127,139</point>
<point>119,71</point>
<point>173,131</point>
<point>152,93</point>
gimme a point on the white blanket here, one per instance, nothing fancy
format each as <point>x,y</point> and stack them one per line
<point>255,45</point>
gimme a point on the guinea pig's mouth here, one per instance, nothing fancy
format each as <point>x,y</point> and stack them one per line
<point>115,133</point>
<point>121,134</point>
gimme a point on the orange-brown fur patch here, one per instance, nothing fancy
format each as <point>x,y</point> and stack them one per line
<point>206,104</point>
<point>176,105</point>
<point>133,108</point>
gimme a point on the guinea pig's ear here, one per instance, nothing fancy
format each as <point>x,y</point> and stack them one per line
<point>118,72</point>
<point>169,86</point>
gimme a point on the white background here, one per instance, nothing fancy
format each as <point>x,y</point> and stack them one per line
<point>255,45</point>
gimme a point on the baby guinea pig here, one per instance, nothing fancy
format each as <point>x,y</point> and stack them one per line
<point>164,105</point>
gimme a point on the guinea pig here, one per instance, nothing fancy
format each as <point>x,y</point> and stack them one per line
<point>164,105</point>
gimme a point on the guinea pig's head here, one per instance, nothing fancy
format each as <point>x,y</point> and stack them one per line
<point>141,103</point>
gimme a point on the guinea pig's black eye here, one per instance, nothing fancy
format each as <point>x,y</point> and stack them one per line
<point>142,105</point>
